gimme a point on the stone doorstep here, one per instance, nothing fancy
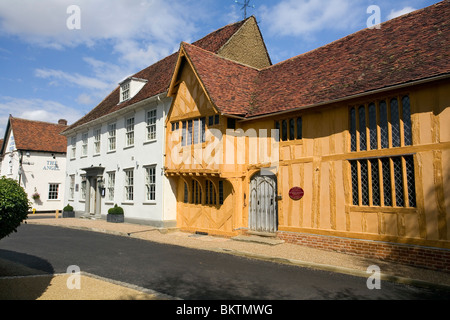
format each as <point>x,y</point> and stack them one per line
<point>271,241</point>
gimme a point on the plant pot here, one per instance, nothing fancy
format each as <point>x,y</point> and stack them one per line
<point>68,214</point>
<point>115,218</point>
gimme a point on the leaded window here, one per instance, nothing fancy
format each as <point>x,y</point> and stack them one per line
<point>385,124</point>
<point>369,185</point>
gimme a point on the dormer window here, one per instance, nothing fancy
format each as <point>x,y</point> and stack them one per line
<point>126,91</point>
<point>130,87</point>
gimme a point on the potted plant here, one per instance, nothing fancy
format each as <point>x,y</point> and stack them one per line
<point>36,196</point>
<point>115,215</point>
<point>68,212</point>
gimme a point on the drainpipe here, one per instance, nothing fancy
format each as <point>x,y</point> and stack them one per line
<point>20,165</point>
<point>163,158</point>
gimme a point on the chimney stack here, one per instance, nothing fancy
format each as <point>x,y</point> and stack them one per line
<point>62,122</point>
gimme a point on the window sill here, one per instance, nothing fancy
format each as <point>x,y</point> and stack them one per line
<point>111,151</point>
<point>150,141</point>
<point>127,203</point>
<point>149,203</point>
<point>382,209</point>
<point>96,155</point>
<point>128,147</point>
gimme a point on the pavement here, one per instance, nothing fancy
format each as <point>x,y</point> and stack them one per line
<point>18,282</point>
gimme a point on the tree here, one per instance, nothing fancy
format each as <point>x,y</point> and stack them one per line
<point>14,206</point>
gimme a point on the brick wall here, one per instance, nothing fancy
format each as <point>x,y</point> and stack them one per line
<point>425,257</point>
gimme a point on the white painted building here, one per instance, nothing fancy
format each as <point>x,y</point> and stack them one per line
<point>34,154</point>
<point>118,159</point>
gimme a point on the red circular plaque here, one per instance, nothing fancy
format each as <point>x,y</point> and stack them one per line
<point>296,193</point>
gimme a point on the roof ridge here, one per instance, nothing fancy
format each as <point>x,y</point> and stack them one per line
<point>38,121</point>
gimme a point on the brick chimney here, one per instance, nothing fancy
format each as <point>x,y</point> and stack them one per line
<point>62,122</point>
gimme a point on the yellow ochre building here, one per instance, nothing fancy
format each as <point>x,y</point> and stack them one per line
<point>345,148</point>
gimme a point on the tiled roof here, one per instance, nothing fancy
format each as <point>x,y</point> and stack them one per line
<point>158,75</point>
<point>406,49</point>
<point>38,136</point>
<point>221,77</point>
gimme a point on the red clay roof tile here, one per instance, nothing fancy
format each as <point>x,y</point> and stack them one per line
<point>409,48</point>
<point>38,136</point>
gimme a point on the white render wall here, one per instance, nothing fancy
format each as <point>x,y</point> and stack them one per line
<point>161,212</point>
<point>39,169</point>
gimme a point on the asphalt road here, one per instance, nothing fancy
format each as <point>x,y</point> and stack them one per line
<point>187,273</point>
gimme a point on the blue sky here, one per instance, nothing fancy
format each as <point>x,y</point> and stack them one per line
<point>49,72</point>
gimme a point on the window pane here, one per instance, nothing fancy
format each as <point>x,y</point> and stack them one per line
<point>355,192</point>
<point>221,192</point>
<point>395,123</point>
<point>411,180</point>
<point>196,130</point>
<point>189,136</point>
<point>203,133</point>
<point>151,125</point>
<point>299,128</point>
<point>362,129</point>
<point>398,176</point>
<point>387,182</point>
<point>373,126</point>
<point>353,129</point>
<point>183,138</point>
<point>111,183</point>
<point>364,183</point>
<point>375,182</point>
<point>407,120</point>
<point>292,129</point>
<point>384,125</point>
<point>53,191</point>
<point>284,133</point>
<point>186,193</point>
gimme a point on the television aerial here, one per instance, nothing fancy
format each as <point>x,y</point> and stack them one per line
<point>245,6</point>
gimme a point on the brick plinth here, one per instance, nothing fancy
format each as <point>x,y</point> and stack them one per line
<point>417,256</point>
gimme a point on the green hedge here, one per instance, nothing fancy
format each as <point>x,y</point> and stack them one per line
<point>68,208</point>
<point>116,210</point>
<point>14,206</point>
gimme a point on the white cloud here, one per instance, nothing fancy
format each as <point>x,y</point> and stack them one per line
<point>401,12</point>
<point>304,17</point>
<point>45,24</point>
<point>138,33</point>
<point>81,81</point>
<point>35,109</point>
